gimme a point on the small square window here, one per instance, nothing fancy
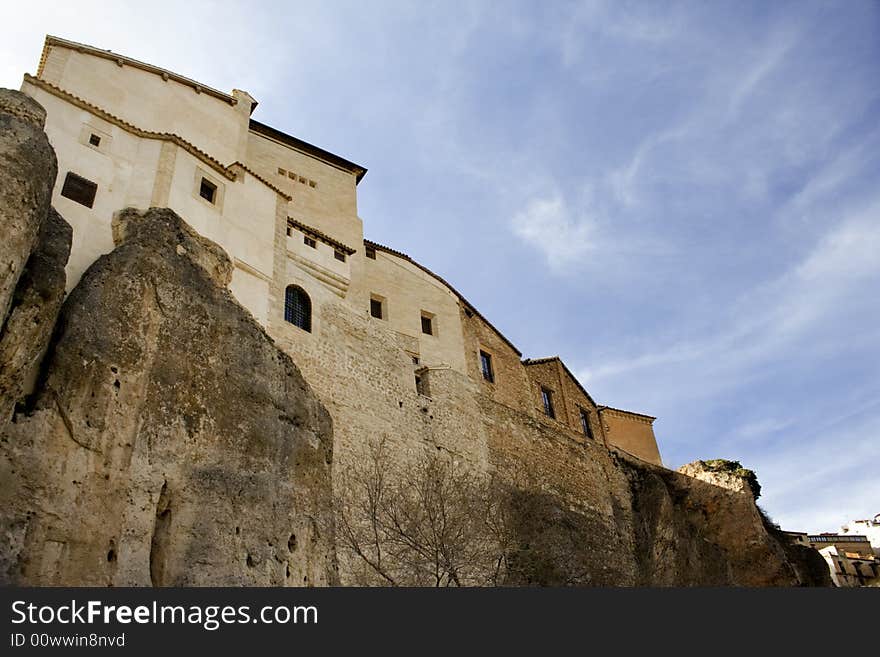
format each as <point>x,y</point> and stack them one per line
<point>208,190</point>
<point>415,360</point>
<point>78,189</point>
<point>427,324</point>
<point>94,140</point>
<point>376,308</point>
<point>291,175</point>
<point>302,179</point>
<point>486,366</point>
<point>308,241</point>
<point>371,252</point>
<point>281,171</point>
<point>339,255</point>
<point>312,183</point>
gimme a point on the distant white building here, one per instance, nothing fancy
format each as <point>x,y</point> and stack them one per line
<point>869,527</point>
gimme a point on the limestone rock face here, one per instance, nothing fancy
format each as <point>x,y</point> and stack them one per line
<point>35,305</point>
<point>169,441</point>
<point>28,167</point>
<point>665,529</point>
<point>584,516</point>
<point>726,474</point>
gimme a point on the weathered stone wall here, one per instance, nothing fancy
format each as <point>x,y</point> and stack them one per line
<point>169,441</point>
<point>511,386</point>
<point>567,397</point>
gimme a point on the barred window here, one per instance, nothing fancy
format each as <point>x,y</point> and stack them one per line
<point>298,307</point>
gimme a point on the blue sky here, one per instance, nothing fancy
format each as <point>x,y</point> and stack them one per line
<point>680,199</point>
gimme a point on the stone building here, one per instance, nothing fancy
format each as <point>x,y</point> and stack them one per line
<point>391,348</point>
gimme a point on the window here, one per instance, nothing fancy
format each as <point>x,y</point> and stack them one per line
<point>308,241</point>
<point>371,252</point>
<point>281,172</point>
<point>422,383</point>
<point>298,308</point>
<point>427,324</point>
<point>94,140</point>
<point>78,189</point>
<point>289,231</point>
<point>486,366</point>
<point>339,255</point>
<point>585,423</point>
<point>376,308</point>
<point>415,360</point>
<point>208,190</point>
<point>547,398</point>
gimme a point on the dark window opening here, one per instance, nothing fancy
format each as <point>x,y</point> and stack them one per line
<point>289,231</point>
<point>415,360</point>
<point>547,398</point>
<point>95,140</point>
<point>376,308</point>
<point>585,423</point>
<point>422,384</point>
<point>308,241</point>
<point>78,189</point>
<point>371,252</point>
<point>208,190</point>
<point>298,308</point>
<point>486,366</point>
<point>427,325</point>
<point>339,255</point>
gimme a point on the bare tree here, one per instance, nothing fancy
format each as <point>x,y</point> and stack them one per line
<point>432,522</point>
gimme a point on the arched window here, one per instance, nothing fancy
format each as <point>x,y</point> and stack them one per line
<point>298,307</point>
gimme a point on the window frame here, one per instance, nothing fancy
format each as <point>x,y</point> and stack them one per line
<point>585,422</point>
<point>547,401</point>
<point>380,301</point>
<point>486,368</point>
<point>303,318</point>
<point>212,187</point>
<point>432,325</point>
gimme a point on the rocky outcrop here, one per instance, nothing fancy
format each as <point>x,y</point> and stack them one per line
<point>727,474</point>
<point>581,515</point>
<point>169,442</point>
<point>29,168</point>
<point>666,529</point>
<point>35,305</point>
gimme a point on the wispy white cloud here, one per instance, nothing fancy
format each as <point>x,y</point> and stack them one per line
<point>562,237</point>
<point>767,321</point>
